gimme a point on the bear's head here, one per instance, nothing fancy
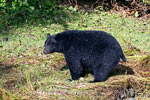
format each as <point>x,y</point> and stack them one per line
<point>52,44</point>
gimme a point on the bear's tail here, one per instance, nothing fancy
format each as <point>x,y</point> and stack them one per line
<point>123,58</point>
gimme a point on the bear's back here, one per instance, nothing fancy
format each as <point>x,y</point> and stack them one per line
<point>89,38</point>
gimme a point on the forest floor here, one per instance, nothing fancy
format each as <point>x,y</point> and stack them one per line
<point>27,74</point>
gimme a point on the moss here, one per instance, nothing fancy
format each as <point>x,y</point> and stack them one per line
<point>130,52</point>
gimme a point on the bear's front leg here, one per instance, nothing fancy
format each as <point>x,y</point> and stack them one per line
<point>75,67</point>
<point>76,70</point>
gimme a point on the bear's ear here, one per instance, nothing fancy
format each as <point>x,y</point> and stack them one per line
<point>48,35</point>
<point>56,38</point>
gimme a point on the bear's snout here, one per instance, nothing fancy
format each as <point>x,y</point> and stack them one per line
<point>45,51</point>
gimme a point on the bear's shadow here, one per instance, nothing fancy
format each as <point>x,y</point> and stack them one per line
<point>119,70</point>
<point>122,70</point>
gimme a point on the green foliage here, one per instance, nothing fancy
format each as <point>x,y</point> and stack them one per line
<point>19,11</point>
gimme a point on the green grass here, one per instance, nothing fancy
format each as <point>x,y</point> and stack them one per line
<point>27,73</point>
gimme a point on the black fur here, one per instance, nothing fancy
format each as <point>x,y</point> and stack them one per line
<point>83,49</point>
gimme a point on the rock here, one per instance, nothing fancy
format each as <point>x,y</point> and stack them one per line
<point>5,39</point>
<point>132,93</point>
<point>81,79</point>
<point>131,99</point>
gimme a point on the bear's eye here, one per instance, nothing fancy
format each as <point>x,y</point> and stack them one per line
<point>47,42</point>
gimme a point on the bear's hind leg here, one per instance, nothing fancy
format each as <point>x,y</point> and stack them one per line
<point>101,72</point>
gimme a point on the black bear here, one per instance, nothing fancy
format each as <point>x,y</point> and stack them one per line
<point>83,49</point>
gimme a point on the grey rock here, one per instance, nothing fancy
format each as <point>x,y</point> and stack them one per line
<point>131,99</point>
